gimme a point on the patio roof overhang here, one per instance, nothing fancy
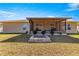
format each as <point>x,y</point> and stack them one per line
<point>46,18</point>
<point>33,20</point>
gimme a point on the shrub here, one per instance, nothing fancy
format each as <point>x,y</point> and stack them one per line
<point>34,32</point>
<point>26,32</point>
<point>43,32</point>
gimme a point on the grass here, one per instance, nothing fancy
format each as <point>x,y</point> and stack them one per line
<point>75,36</point>
<point>44,49</point>
<point>7,36</point>
<point>17,48</point>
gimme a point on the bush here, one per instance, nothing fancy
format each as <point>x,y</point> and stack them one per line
<point>43,32</point>
<point>26,32</point>
<point>34,32</point>
<point>52,31</point>
<point>60,33</point>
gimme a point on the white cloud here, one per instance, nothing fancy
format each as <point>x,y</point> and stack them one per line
<point>73,6</point>
<point>51,16</point>
<point>6,13</point>
<point>69,19</point>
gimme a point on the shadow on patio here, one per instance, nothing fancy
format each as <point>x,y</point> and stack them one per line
<point>19,38</point>
<point>64,39</point>
<point>56,38</point>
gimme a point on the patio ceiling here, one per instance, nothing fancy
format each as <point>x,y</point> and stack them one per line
<point>48,19</point>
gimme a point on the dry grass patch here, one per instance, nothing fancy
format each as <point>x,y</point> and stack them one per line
<point>39,49</point>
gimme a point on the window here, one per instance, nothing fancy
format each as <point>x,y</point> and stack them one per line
<point>38,24</point>
<point>24,26</point>
<point>51,24</point>
<point>1,25</point>
<point>68,27</point>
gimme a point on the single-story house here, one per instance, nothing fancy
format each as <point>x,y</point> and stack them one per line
<point>31,23</point>
<point>61,24</point>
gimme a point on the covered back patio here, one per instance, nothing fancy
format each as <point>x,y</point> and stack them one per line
<point>58,24</point>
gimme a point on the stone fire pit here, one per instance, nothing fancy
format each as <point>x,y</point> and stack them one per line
<point>39,38</point>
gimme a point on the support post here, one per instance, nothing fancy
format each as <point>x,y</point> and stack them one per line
<point>56,26</point>
<point>31,25</point>
<point>59,25</point>
<point>65,25</point>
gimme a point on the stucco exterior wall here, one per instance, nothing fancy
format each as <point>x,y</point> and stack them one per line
<point>47,24</point>
<point>1,27</point>
<point>17,27</point>
<point>14,27</point>
<point>73,26</point>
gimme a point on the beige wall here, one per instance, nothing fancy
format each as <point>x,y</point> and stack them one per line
<point>1,27</point>
<point>17,27</point>
<point>13,27</point>
<point>47,24</point>
<point>73,27</point>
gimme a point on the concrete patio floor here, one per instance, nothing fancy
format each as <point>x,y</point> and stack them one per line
<point>55,38</point>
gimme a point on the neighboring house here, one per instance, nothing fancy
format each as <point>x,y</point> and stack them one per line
<point>16,26</point>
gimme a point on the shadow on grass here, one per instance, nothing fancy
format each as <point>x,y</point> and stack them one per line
<point>65,39</point>
<point>19,38</point>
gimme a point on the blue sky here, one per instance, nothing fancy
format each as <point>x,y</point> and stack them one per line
<point>16,11</point>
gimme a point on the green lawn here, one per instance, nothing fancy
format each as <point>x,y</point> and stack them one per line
<point>7,36</point>
<point>10,44</point>
<point>75,36</point>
